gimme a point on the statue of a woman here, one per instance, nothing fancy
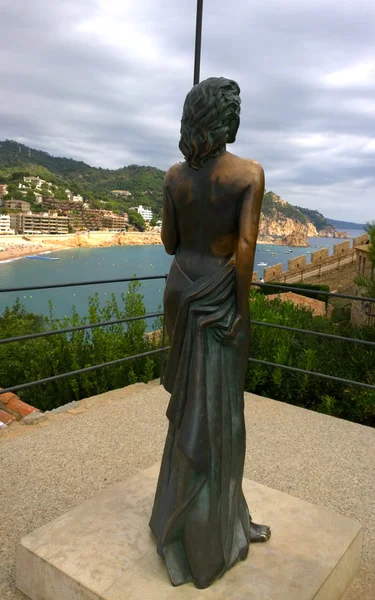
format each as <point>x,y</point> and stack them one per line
<point>211,211</point>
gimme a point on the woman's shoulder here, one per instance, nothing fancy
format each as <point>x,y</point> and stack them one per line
<point>248,164</point>
<point>173,171</point>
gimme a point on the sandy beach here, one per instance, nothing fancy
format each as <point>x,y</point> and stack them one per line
<point>18,246</point>
<point>14,247</point>
<point>18,249</point>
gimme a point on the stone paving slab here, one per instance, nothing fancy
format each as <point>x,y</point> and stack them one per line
<point>48,468</point>
<point>104,550</point>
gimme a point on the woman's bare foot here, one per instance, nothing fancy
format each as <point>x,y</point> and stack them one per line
<point>259,533</point>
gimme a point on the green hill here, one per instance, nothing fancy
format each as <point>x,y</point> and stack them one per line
<point>346,224</point>
<point>315,217</point>
<point>95,184</point>
<point>144,183</point>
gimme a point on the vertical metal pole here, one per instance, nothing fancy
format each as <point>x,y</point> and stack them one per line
<point>198,41</point>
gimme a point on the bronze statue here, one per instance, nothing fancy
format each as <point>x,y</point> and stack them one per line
<point>211,211</point>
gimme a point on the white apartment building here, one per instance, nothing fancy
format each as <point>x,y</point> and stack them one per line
<point>37,180</point>
<point>146,213</point>
<point>76,198</point>
<point>125,193</point>
<point>39,223</point>
<point>5,224</point>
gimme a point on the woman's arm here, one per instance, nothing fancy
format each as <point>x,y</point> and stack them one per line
<point>248,233</point>
<point>169,230</point>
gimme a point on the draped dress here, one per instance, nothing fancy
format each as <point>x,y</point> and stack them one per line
<point>200,517</point>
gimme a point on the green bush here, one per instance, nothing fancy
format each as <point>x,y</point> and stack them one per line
<point>43,357</point>
<point>347,360</point>
<point>21,362</point>
<point>277,288</point>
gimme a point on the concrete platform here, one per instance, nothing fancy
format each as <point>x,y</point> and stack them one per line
<point>103,550</point>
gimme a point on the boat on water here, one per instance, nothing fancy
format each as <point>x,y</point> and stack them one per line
<point>43,257</point>
<point>262,264</point>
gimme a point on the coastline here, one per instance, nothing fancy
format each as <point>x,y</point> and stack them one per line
<point>17,253</point>
<point>16,247</point>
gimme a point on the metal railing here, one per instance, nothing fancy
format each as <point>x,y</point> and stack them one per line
<point>164,348</point>
<point>299,290</point>
<point>118,361</point>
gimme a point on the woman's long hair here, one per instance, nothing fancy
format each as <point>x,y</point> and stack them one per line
<point>209,108</point>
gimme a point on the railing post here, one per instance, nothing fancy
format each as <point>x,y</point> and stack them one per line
<point>162,359</point>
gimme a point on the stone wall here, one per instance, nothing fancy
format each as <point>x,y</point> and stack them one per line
<point>320,265</point>
<point>361,240</point>
<point>320,255</point>
<point>297,263</point>
<point>361,315</point>
<point>338,280</point>
<point>341,249</point>
<point>273,272</point>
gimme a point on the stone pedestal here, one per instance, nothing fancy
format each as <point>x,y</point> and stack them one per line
<point>103,550</point>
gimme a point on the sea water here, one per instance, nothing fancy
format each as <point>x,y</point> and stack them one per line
<point>91,264</point>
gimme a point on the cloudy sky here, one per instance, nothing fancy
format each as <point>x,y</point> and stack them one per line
<point>104,81</point>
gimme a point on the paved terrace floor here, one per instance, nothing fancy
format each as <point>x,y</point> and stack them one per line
<point>48,468</point>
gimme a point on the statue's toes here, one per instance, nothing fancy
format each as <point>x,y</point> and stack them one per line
<point>265,533</point>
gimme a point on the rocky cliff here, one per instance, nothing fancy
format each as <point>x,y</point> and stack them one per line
<point>280,219</point>
<point>285,226</point>
<point>298,237</point>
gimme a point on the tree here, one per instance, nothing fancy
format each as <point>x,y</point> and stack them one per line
<point>368,281</point>
<point>12,187</point>
<point>17,195</point>
<point>137,220</point>
<point>30,196</point>
<point>60,194</point>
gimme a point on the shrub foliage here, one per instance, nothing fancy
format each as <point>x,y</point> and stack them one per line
<point>35,359</point>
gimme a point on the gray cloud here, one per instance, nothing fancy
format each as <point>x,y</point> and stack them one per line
<point>102,82</point>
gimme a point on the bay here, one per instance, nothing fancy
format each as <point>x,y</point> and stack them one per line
<point>90,264</point>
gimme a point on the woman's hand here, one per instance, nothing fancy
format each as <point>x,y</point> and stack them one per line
<point>227,337</point>
<point>237,324</point>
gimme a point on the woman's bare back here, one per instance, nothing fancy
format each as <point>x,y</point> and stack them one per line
<point>207,205</point>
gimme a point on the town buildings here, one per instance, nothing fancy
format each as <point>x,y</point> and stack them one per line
<point>3,189</point>
<point>64,215</point>
<point>17,205</point>
<point>363,262</point>
<point>124,193</point>
<point>146,213</point>
<point>39,223</point>
<point>96,219</point>
<point>5,225</point>
<point>75,198</point>
<point>37,181</point>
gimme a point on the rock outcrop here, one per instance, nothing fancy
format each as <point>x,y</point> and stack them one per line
<point>297,238</point>
<point>341,234</point>
<point>105,239</point>
<point>284,226</point>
